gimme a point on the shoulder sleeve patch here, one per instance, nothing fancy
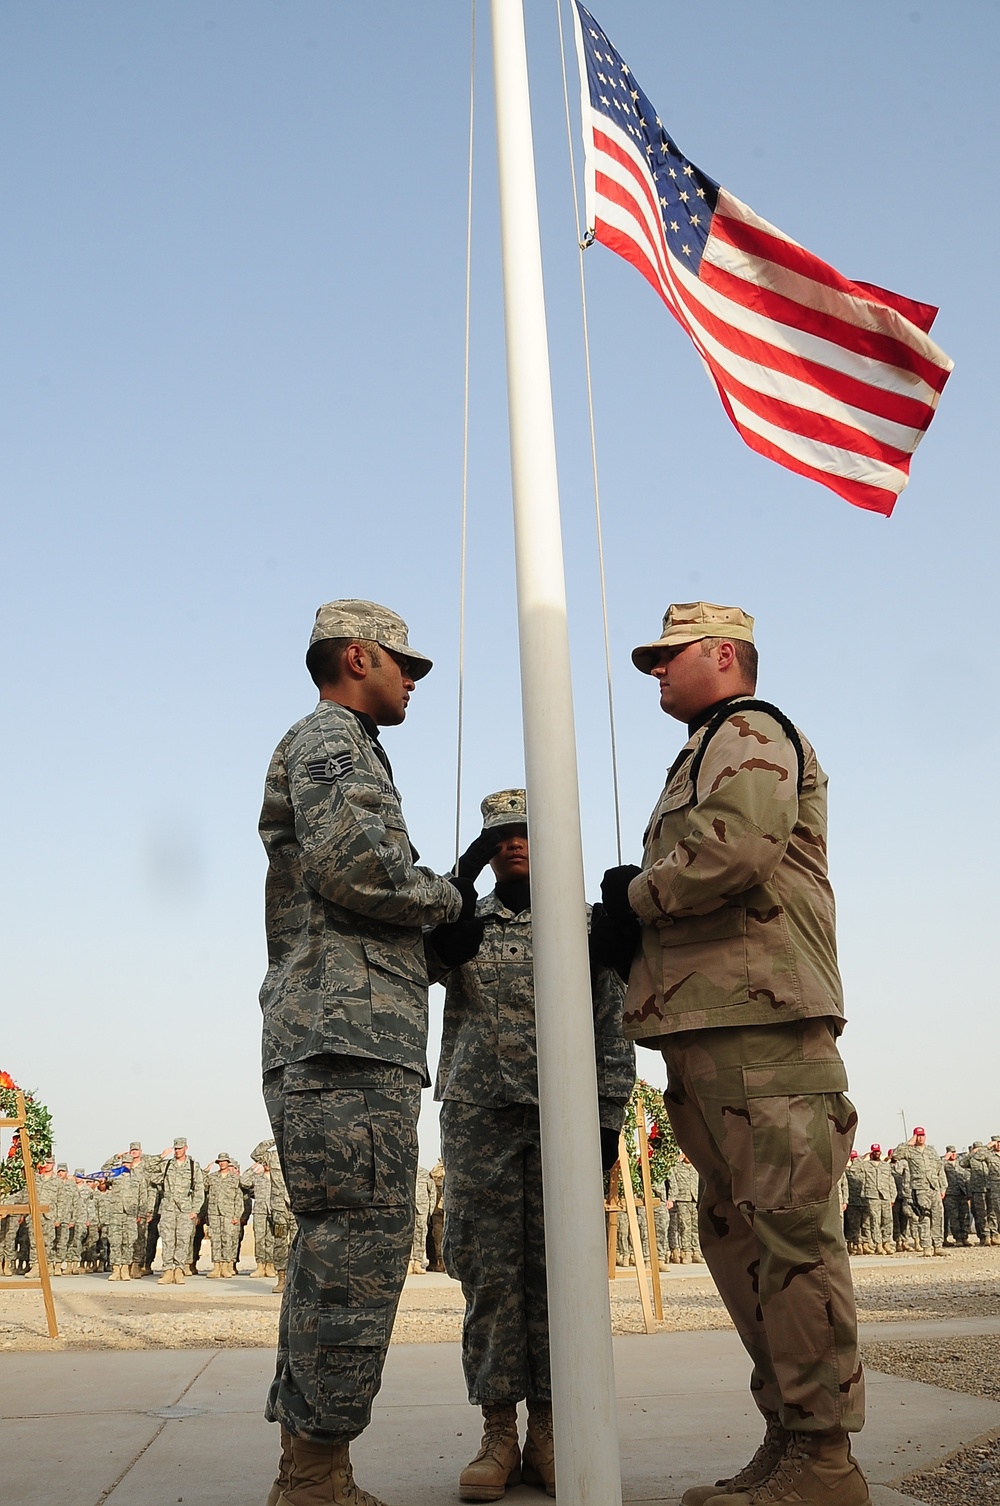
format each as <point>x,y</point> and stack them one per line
<point>329,770</point>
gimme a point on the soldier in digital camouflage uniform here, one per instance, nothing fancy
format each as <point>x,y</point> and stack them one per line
<point>901,1208</point>
<point>993,1188</point>
<point>225,1209</point>
<point>345,1032</point>
<point>182,1195</point>
<point>879,1187</point>
<point>975,1163</point>
<point>957,1219</point>
<point>436,1221</point>
<point>257,1181</point>
<point>735,979</point>
<point>487,1083</point>
<point>854,1213</point>
<point>682,1202</point>
<point>425,1198</point>
<point>67,1212</point>
<point>127,1206</point>
<point>928,1186</point>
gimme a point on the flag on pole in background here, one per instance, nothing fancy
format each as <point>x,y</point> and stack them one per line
<point>834,379</point>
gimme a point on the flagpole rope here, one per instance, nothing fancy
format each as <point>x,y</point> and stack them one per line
<point>582,244</point>
<point>465,448</point>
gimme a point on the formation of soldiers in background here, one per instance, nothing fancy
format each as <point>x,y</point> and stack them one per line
<point>111,1221</point>
<point>916,1200</point>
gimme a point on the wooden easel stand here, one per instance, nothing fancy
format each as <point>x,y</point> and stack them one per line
<point>34,1210</point>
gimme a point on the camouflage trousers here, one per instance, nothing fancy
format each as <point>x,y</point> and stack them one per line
<point>346,1134</point>
<point>62,1250</point>
<point>877,1227</point>
<point>928,1222</point>
<point>761,1111</point>
<point>176,1236</point>
<point>854,1222</point>
<point>263,1237</point>
<point>224,1236</point>
<point>123,1236</point>
<point>418,1250</point>
<point>957,1220</point>
<point>980,1214</point>
<point>993,1208</point>
<point>494,1244</point>
<point>661,1221</point>
<point>682,1233</point>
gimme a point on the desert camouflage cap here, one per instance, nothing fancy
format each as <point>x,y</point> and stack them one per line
<point>180,1142</point>
<point>134,1145</point>
<point>687,622</point>
<point>62,1166</point>
<point>366,619</point>
<point>505,808</point>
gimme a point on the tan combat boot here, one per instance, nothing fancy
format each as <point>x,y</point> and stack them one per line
<point>214,1273</point>
<point>675,1257</point>
<point>167,1279</point>
<point>685,1257</point>
<point>123,1273</point>
<point>697,1257</point>
<point>320,1474</point>
<point>279,1285</point>
<point>115,1273</point>
<point>816,1469</point>
<point>226,1269</point>
<point>763,1464</point>
<point>259,1270</point>
<point>538,1461</point>
<point>269,1268</point>
<point>282,1478</point>
<point>498,1463</point>
<point>178,1275</point>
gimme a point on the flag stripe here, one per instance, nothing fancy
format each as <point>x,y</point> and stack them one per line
<point>835,379</point>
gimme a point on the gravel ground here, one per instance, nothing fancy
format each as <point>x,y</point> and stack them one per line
<point>971,1365</point>
<point>94,1314</point>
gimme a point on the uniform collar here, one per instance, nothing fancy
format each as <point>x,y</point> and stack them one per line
<point>704,717</point>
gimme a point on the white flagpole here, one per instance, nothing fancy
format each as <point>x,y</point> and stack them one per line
<point>586,1426</point>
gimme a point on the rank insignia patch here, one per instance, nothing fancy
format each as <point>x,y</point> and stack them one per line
<point>329,770</point>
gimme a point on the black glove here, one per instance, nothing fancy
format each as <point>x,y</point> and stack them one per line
<point>475,857</point>
<point>467,890</point>
<point>458,942</point>
<point>614,891</point>
<point>613,943</point>
<point>609,1148</point>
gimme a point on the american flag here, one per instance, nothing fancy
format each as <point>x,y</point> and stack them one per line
<point>834,379</point>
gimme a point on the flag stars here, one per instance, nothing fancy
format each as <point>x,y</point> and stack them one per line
<point>683,196</point>
<point>686,250</point>
<point>605,101</point>
<point>672,172</point>
<point>674,226</point>
<point>701,193</point>
<point>663,202</point>
<point>695,219</point>
<point>635,95</point>
<point>688,171</point>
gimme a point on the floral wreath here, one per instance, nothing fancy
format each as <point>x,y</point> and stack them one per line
<point>39,1131</point>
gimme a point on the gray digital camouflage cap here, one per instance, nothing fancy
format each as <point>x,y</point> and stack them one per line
<point>134,1145</point>
<point>505,808</point>
<point>62,1166</point>
<point>180,1143</point>
<point>688,622</point>
<point>366,619</point>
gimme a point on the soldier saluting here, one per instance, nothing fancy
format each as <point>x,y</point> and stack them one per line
<point>345,1032</point>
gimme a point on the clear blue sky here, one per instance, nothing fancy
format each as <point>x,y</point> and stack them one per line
<point>233,265</point>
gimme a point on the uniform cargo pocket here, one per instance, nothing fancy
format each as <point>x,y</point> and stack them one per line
<point>329,1150</point>
<point>357,1328</point>
<point>795,1161</point>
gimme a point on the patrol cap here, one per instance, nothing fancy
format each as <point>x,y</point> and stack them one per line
<point>134,1145</point>
<point>62,1166</point>
<point>366,619</point>
<point>976,1145</point>
<point>918,1129</point>
<point>688,622</point>
<point>79,1172</point>
<point>949,1147</point>
<point>505,808</point>
<point>180,1142</point>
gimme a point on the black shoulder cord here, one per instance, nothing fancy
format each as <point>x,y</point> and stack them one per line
<point>723,715</point>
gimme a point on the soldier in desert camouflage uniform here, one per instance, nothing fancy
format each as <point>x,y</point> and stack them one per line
<point>928,1186</point>
<point>225,1208</point>
<point>682,1202</point>
<point>487,1082</point>
<point>345,1032</point>
<point>735,979</point>
<point>183,1193</point>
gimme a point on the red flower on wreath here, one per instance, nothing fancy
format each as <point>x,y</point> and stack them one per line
<point>6,1081</point>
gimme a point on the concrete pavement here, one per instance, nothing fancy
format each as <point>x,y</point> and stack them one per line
<point>158,1427</point>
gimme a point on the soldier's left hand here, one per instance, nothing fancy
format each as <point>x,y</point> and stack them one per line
<point>614,890</point>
